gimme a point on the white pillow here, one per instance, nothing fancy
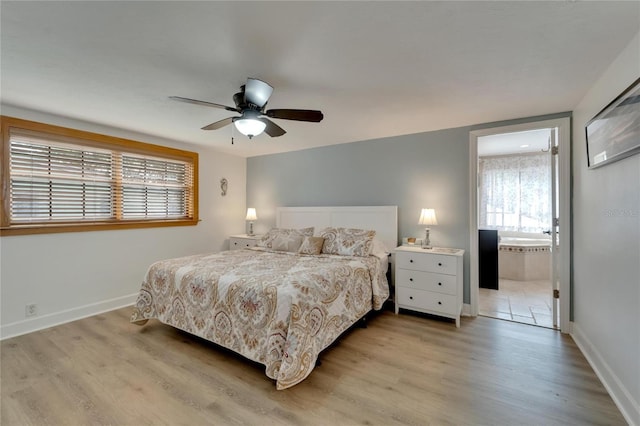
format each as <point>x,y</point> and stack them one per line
<point>379,249</point>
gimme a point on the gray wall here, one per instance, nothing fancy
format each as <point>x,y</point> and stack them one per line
<point>606,253</point>
<point>412,172</point>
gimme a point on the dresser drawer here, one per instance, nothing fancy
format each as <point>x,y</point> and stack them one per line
<point>427,301</point>
<point>429,281</point>
<point>426,262</point>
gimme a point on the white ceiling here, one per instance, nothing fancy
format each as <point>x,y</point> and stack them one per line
<point>375,69</point>
<point>529,141</point>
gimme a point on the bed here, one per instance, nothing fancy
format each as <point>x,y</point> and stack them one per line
<point>275,306</point>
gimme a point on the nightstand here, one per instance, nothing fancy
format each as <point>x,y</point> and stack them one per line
<point>243,241</point>
<point>429,281</point>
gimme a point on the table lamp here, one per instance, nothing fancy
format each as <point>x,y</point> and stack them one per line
<point>251,216</point>
<point>427,217</point>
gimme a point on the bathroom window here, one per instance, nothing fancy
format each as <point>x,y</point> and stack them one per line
<point>515,192</point>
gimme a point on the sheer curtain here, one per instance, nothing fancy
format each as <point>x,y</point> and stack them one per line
<point>515,192</point>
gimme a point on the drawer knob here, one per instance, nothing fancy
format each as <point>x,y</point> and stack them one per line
<point>439,283</point>
<point>410,260</point>
<point>439,303</point>
<point>439,263</point>
<point>411,279</point>
<point>411,297</point>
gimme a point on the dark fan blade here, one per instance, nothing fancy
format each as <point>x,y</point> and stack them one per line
<point>219,124</point>
<point>272,128</point>
<point>257,92</point>
<point>296,114</point>
<point>197,102</point>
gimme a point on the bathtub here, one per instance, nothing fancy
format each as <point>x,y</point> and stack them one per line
<point>524,257</point>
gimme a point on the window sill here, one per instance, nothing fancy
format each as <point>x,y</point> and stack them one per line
<point>95,226</point>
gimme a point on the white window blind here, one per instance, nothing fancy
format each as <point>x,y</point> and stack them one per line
<point>60,181</point>
<point>154,188</point>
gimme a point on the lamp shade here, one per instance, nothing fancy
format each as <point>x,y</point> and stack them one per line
<point>250,126</point>
<point>428,217</point>
<point>251,214</point>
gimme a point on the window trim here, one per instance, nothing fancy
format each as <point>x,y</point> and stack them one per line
<point>93,140</point>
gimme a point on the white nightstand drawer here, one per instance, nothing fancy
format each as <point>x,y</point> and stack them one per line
<point>240,243</point>
<point>438,263</point>
<point>243,241</point>
<point>427,301</point>
<point>429,281</point>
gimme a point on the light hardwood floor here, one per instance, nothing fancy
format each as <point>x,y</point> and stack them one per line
<point>402,369</point>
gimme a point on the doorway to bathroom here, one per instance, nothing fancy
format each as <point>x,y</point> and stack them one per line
<point>515,211</point>
<point>519,195</point>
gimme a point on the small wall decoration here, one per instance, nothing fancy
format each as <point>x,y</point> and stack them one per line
<point>223,186</point>
<point>614,133</point>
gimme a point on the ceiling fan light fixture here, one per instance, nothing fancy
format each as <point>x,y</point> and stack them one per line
<point>250,102</point>
<point>250,126</point>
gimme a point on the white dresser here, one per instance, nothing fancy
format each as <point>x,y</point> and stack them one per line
<point>429,280</point>
<point>243,241</point>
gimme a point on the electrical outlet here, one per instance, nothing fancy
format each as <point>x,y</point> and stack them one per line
<point>30,310</point>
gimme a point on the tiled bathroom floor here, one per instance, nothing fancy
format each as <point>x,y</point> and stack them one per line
<point>527,302</point>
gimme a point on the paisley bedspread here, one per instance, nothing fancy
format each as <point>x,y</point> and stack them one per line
<point>276,308</point>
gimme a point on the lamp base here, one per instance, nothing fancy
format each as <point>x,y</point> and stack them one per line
<point>251,234</point>
<point>426,243</point>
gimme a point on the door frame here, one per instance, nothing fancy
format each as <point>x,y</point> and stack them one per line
<point>564,198</point>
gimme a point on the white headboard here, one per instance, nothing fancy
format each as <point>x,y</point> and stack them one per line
<point>382,219</point>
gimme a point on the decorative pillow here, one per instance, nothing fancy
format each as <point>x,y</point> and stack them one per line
<point>291,242</point>
<point>267,239</point>
<point>311,245</point>
<point>378,249</point>
<point>347,241</point>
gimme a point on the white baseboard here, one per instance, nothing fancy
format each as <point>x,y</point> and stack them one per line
<point>629,408</point>
<point>45,321</point>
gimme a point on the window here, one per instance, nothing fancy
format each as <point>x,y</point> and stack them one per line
<point>515,192</point>
<point>56,179</point>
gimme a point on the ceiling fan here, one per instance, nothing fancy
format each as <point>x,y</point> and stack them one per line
<point>250,103</point>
